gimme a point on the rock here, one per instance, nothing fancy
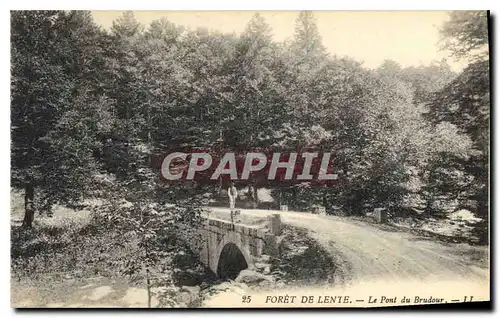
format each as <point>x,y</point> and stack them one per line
<point>241,286</point>
<point>250,277</point>
<point>225,285</point>
<point>280,285</point>
<point>191,289</point>
<point>221,287</point>
<point>265,283</point>
<point>264,258</point>
<point>184,297</point>
<point>187,295</point>
<point>464,215</point>
<point>159,290</point>
<point>86,286</point>
<point>267,270</point>
<point>260,265</point>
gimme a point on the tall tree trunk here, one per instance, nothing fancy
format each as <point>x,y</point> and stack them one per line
<point>29,207</point>
<point>148,279</point>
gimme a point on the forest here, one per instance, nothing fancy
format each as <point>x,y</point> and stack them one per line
<point>92,110</point>
<point>88,102</point>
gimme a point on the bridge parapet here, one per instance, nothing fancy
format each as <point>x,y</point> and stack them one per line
<point>223,226</point>
<point>225,242</point>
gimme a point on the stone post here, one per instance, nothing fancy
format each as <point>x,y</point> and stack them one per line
<point>380,215</point>
<point>274,224</point>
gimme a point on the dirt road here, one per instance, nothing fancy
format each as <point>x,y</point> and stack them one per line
<point>366,252</point>
<point>363,253</point>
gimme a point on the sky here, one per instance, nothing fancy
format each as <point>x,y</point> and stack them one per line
<point>408,37</point>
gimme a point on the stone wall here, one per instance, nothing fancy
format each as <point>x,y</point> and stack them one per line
<point>252,241</point>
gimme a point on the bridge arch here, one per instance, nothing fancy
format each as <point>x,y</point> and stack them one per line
<point>231,257</point>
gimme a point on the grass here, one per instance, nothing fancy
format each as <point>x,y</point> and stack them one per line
<point>302,260</point>
<point>54,260</point>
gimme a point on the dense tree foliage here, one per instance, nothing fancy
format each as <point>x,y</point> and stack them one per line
<point>56,99</point>
<point>88,101</point>
<point>465,103</point>
<point>466,32</point>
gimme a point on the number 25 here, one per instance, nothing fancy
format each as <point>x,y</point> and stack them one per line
<point>246,299</point>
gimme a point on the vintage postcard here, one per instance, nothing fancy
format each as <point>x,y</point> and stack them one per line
<point>247,159</point>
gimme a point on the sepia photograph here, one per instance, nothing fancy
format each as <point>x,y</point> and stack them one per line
<point>249,159</point>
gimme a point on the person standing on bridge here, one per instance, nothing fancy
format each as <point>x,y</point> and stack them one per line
<point>232,193</point>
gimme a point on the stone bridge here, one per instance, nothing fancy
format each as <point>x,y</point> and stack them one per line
<point>227,248</point>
